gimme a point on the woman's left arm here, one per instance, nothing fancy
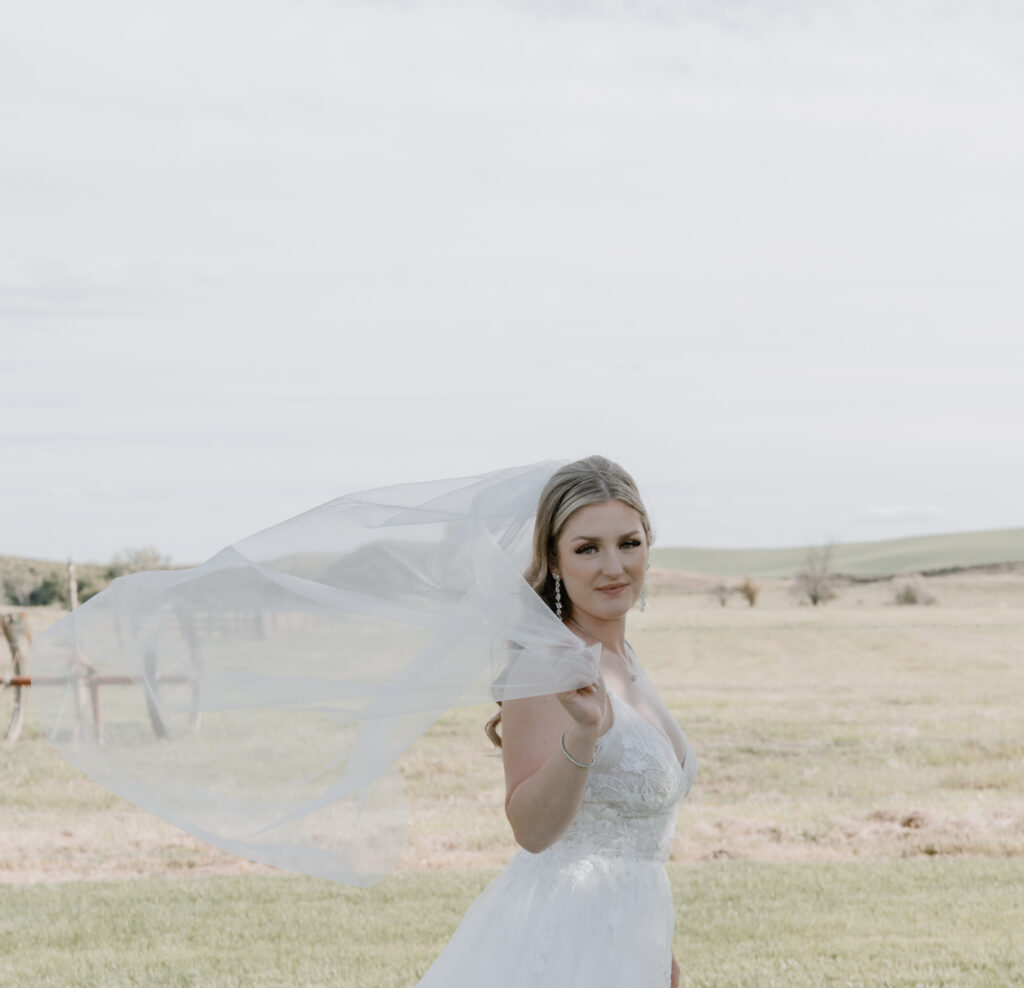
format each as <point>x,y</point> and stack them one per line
<point>675,972</point>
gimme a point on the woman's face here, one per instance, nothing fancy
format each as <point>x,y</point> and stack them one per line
<point>602,559</point>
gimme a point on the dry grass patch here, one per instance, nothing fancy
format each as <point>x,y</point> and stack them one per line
<point>818,731</point>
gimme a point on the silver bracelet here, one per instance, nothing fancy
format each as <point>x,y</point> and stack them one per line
<point>565,751</point>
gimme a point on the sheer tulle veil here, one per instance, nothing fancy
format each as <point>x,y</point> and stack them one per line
<point>261,700</point>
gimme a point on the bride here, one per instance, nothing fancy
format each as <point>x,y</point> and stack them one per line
<point>278,683</point>
<point>593,776</point>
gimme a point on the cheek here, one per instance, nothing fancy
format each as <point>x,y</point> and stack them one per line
<point>576,570</point>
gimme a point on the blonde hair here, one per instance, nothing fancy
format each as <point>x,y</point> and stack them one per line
<point>592,480</point>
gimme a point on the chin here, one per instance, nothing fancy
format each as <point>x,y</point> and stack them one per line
<point>609,610</point>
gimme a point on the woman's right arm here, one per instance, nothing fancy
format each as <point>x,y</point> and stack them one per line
<point>543,788</point>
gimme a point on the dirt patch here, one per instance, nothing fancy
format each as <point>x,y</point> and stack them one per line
<point>877,834</point>
<point>65,855</point>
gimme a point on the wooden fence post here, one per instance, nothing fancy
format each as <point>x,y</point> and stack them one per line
<point>11,626</point>
<point>72,585</point>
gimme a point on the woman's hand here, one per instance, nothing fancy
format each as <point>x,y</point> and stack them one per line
<point>675,973</point>
<point>587,705</point>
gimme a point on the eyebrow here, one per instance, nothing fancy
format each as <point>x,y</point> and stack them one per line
<point>597,538</point>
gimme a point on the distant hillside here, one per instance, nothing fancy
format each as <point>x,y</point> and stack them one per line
<point>858,559</point>
<point>861,559</point>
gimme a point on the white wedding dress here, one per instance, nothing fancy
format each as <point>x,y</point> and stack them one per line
<point>595,908</point>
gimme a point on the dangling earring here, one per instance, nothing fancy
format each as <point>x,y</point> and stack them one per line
<point>558,597</point>
<point>643,597</point>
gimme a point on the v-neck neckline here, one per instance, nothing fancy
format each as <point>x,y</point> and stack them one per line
<point>636,713</point>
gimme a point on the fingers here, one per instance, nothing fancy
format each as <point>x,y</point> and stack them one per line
<point>597,689</point>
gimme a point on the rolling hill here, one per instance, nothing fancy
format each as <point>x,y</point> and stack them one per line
<point>859,559</point>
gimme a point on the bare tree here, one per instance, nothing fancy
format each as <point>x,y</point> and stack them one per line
<point>814,581</point>
<point>720,591</point>
<point>18,589</point>
<point>136,561</point>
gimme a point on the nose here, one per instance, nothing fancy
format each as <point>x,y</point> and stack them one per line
<point>613,563</point>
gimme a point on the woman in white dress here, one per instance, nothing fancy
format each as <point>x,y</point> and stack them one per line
<point>594,776</point>
<point>277,684</point>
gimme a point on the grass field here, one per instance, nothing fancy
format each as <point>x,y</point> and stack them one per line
<point>861,559</point>
<point>947,922</point>
<point>858,819</point>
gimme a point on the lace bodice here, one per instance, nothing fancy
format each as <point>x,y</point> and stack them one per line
<point>632,795</point>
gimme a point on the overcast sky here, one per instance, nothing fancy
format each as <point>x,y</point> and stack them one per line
<point>257,254</point>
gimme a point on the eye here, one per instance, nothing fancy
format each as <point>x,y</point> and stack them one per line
<point>585,550</point>
<point>631,544</point>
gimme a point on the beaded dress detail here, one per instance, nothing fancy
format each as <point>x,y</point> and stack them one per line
<point>595,908</point>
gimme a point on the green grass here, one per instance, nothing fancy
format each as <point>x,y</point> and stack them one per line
<point>913,923</point>
<point>889,923</point>
<point>862,559</point>
<point>858,819</point>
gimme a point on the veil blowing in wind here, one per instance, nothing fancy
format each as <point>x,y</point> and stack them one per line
<point>272,689</point>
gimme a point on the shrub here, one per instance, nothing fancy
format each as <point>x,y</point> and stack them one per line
<point>51,591</point>
<point>89,588</point>
<point>912,590</point>
<point>136,561</point>
<point>749,589</point>
<point>25,591</point>
<point>18,590</point>
<point>720,591</point>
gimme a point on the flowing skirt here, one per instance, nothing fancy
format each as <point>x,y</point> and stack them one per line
<point>547,922</point>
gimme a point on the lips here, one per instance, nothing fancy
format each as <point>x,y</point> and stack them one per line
<point>613,589</point>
